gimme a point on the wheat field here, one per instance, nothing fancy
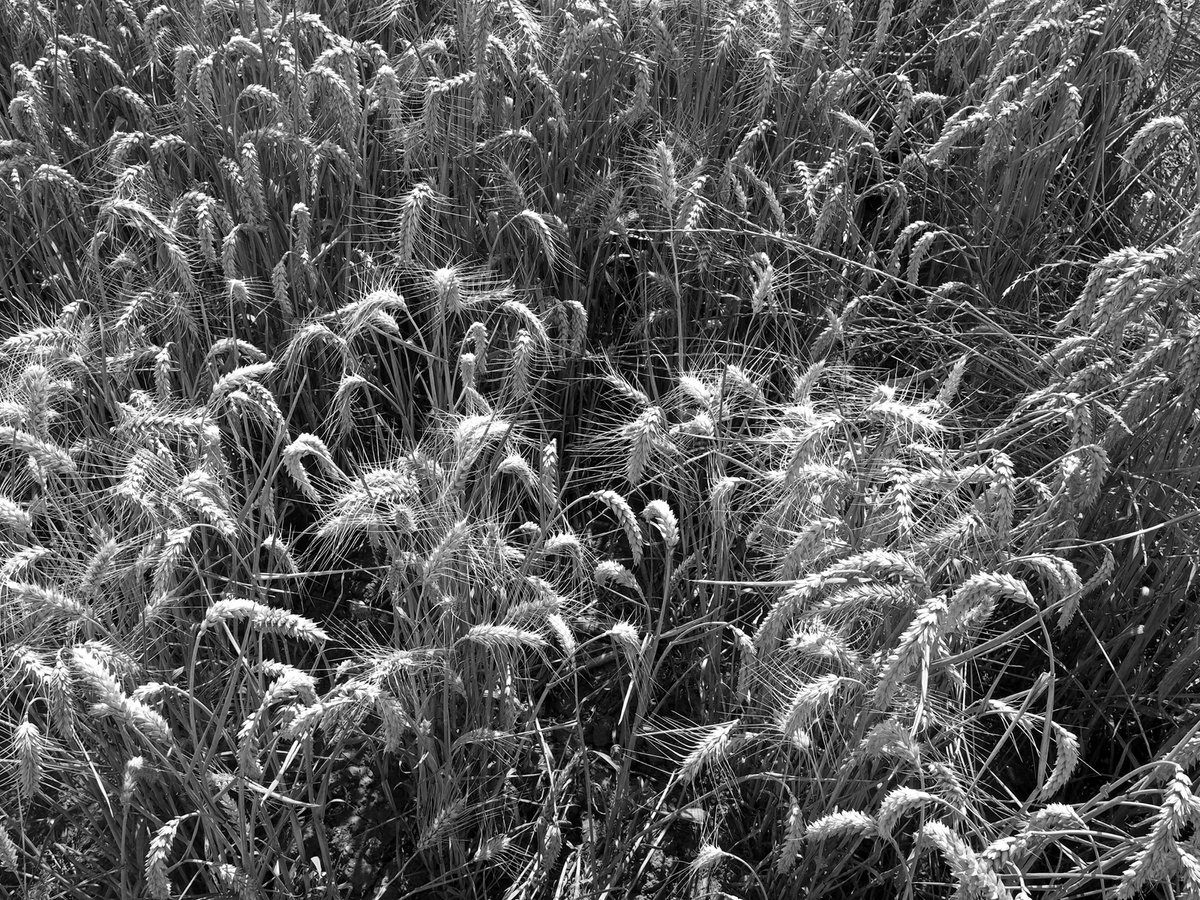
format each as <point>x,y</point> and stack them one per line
<point>596,449</point>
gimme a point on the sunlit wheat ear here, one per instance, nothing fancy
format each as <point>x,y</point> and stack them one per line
<point>660,515</point>
<point>1066,746</point>
<point>663,177</point>
<point>899,803</point>
<point>837,825</point>
<point>1062,581</point>
<point>973,601</point>
<point>134,772</point>
<point>158,885</point>
<point>112,700</point>
<point>10,853</point>
<point>49,456</point>
<point>644,436</point>
<point>416,206</point>
<point>626,638</point>
<point>501,638</point>
<point>47,601</point>
<point>915,647</point>
<point>200,491</point>
<point>15,518</point>
<point>620,508</point>
<point>29,750</point>
<point>975,876</point>
<point>710,751</point>
<point>266,619</point>
<point>294,454</point>
<point>1157,130</point>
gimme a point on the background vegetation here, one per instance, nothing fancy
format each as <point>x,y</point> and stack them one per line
<point>684,448</point>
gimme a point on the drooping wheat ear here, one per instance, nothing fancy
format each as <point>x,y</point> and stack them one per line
<point>10,853</point>
<point>15,517</point>
<point>629,642</point>
<point>1157,129</point>
<point>708,857</point>
<point>611,572</point>
<point>808,547</point>
<point>974,875</point>
<point>1003,496</point>
<point>849,823</point>
<point>974,600</point>
<point>1061,577</point>
<point>112,700</point>
<point>645,435</point>
<point>1066,760</point>
<point>770,630</point>
<point>239,377</point>
<point>264,618</point>
<point>413,207</point>
<point>129,782</point>
<point>793,839</point>
<point>200,491</point>
<point>1179,807</point>
<point>28,748</point>
<point>914,649</point>
<point>807,704</point>
<point>662,517</point>
<point>296,451</point>
<point>620,508</point>
<point>886,409</point>
<point>46,454</point>
<point>278,548</point>
<point>1102,575</point>
<point>899,803</point>
<point>47,601</point>
<point>503,637</point>
<point>158,885</point>
<point>709,752</point>
<point>562,631</point>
